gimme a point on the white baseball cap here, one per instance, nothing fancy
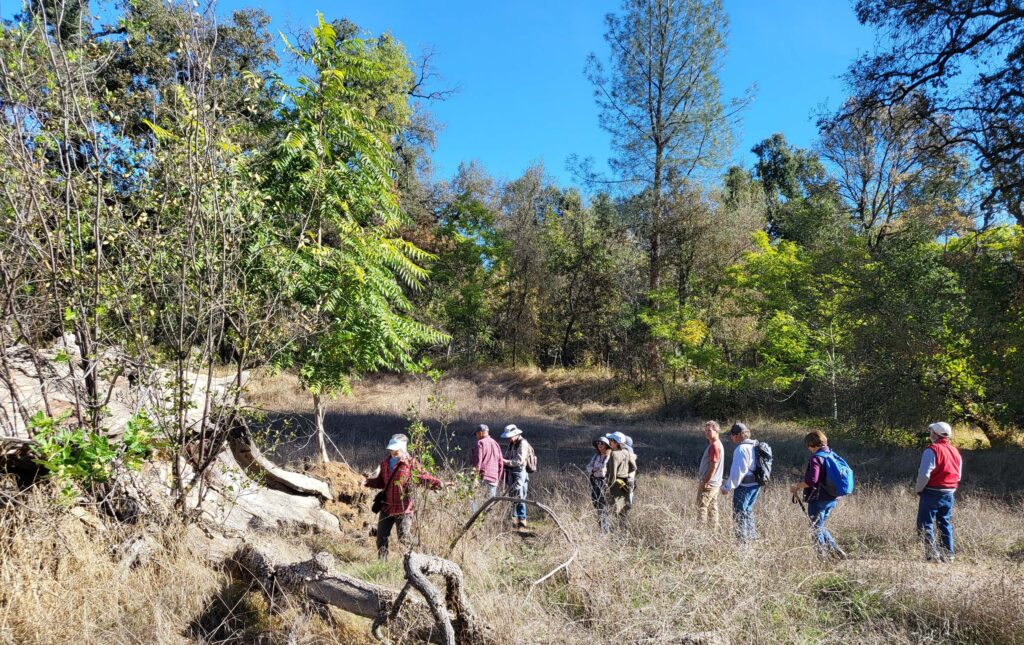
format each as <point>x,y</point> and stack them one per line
<point>941,428</point>
<point>398,442</point>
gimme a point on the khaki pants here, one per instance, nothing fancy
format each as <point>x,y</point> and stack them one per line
<point>707,506</point>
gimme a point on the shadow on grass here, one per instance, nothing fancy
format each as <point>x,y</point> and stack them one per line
<point>674,448</point>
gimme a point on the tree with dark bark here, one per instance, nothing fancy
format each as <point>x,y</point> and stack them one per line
<point>966,58</point>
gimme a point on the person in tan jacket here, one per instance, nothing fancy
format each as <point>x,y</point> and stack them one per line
<point>620,471</point>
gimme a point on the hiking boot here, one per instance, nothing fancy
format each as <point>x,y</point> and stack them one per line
<point>838,553</point>
<point>522,524</point>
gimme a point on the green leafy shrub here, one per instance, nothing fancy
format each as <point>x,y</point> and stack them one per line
<point>77,458</point>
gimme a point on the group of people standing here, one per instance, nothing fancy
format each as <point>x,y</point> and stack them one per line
<point>827,478</point>
<point>612,474</point>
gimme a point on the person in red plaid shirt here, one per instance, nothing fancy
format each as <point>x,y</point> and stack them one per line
<point>393,478</point>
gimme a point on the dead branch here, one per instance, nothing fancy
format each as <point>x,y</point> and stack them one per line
<point>486,506</point>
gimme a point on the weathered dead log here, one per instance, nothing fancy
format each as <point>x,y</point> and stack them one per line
<point>259,467</point>
<point>465,627</point>
<point>318,580</point>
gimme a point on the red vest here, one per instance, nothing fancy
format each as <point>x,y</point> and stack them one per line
<point>947,465</point>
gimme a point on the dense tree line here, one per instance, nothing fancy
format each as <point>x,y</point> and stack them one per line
<point>168,193</point>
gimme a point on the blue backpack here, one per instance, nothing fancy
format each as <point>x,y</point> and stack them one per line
<point>838,474</point>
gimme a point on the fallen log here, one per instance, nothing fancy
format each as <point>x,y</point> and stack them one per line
<point>317,579</point>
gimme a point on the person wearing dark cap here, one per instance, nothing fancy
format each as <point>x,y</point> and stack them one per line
<point>487,462</point>
<point>937,479</point>
<point>742,483</point>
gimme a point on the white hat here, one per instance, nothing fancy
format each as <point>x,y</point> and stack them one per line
<point>941,428</point>
<point>511,431</point>
<point>617,437</point>
<point>398,442</point>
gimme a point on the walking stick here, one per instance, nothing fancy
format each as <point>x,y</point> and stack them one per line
<point>796,500</point>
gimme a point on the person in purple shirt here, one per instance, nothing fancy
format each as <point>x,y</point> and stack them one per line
<point>487,463</point>
<point>820,503</point>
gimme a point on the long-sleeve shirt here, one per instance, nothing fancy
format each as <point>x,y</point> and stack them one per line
<point>621,465</point>
<point>814,477</point>
<point>516,454</point>
<point>597,466</point>
<point>397,489</point>
<point>742,471</point>
<point>487,460</point>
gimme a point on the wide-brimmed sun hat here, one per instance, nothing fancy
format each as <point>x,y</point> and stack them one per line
<point>617,437</point>
<point>511,431</point>
<point>603,440</point>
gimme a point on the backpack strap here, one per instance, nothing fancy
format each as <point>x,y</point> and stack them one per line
<point>392,477</point>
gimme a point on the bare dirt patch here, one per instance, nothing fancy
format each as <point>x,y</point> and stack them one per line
<point>351,503</point>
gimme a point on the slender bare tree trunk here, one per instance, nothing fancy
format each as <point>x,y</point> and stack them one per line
<point>319,410</point>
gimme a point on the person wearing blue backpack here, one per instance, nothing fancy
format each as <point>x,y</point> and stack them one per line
<point>828,477</point>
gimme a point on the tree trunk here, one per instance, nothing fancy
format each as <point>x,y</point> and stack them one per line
<point>319,410</point>
<point>835,398</point>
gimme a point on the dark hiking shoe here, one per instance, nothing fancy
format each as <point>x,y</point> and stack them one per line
<point>839,554</point>
<point>522,524</point>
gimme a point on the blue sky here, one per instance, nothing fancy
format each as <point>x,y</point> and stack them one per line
<point>519,67</point>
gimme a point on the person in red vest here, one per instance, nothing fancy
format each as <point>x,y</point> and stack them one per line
<point>937,480</point>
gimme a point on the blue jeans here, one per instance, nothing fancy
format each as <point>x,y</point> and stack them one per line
<point>518,486</point>
<point>743,500</point>
<point>818,511</point>
<point>487,491</point>
<point>936,505</point>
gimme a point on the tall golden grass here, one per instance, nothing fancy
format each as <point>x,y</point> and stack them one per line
<point>655,579</point>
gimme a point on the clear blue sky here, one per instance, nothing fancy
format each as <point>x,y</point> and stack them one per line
<point>519,67</point>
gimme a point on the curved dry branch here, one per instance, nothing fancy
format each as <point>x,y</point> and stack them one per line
<point>417,567</point>
<point>486,506</point>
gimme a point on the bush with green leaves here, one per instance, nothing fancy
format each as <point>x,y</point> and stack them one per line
<point>77,458</point>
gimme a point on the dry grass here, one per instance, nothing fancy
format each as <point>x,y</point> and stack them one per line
<point>574,396</point>
<point>661,576</point>
<point>655,579</point>
<point>62,582</point>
